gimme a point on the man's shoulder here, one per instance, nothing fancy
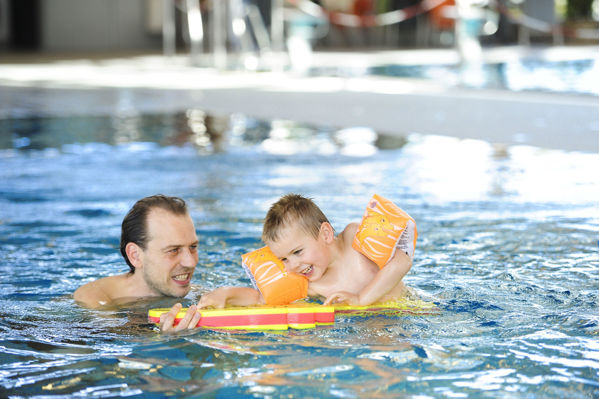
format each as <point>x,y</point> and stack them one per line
<point>99,292</point>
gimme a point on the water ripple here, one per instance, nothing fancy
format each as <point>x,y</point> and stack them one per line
<point>512,269</point>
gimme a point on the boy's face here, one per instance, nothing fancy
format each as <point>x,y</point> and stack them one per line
<point>300,252</point>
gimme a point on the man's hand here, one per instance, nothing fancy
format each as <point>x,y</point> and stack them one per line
<point>342,296</point>
<point>191,319</point>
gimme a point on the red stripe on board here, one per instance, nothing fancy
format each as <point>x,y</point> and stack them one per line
<point>243,320</point>
<point>300,318</point>
<point>260,319</point>
<point>324,317</point>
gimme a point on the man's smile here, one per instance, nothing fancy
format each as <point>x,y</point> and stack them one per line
<point>182,279</point>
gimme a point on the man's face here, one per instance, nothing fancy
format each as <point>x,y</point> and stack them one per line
<point>171,253</point>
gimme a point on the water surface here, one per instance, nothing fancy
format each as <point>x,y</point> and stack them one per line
<point>508,247</point>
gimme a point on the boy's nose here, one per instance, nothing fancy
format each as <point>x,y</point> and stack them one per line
<point>292,265</point>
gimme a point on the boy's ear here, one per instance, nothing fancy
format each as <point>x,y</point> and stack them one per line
<point>327,232</point>
<point>134,252</point>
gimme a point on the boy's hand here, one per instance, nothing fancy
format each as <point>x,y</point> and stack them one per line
<point>214,299</point>
<point>191,319</point>
<point>342,296</point>
<point>232,296</point>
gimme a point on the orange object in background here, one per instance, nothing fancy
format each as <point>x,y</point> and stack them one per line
<point>362,7</point>
<point>441,16</point>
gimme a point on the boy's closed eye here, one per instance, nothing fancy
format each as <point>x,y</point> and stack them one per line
<point>296,252</point>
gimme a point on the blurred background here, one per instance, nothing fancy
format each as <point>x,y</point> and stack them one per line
<point>479,118</point>
<point>260,26</point>
<point>512,52</point>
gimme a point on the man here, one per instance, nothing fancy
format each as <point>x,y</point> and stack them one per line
<point>159,243</point>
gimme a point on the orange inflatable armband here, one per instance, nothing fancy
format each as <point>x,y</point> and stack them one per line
<point>384,228</point>
<point>268,275</point>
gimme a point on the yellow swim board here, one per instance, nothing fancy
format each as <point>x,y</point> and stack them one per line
<point>300,315</point>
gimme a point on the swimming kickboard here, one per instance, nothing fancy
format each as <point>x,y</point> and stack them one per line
<point>301,315</point>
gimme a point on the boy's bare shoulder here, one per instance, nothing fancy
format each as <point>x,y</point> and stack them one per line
<point>349,232</point>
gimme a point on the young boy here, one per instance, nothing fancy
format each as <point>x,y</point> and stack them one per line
<point>300,235</point>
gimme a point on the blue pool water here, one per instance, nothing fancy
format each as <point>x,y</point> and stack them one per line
<point>576,76</point>
<point>508,248</point>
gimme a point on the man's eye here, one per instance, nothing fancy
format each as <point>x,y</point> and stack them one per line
<point>174,251</point>
<point>194,247</point>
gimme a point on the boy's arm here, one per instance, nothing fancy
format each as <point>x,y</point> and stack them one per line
<point>233,296</point>
<point>384,281</point>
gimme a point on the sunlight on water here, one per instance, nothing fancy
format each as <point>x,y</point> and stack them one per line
<point>469,170</point>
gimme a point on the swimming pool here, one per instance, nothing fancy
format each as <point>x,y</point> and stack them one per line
<point>574,76</point>
<point>508,247</point>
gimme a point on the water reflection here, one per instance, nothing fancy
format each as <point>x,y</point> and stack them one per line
<point>126,126</point>
<point>485,170</point>
<point>573,76</point>
<point>207,133</point>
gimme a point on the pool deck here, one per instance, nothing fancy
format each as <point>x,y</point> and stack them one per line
<point>390,105</point>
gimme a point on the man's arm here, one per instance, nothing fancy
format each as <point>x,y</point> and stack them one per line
<point>96,294</point>
<point>93,295</point>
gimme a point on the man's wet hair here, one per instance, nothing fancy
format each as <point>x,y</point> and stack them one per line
<point>135,224</point>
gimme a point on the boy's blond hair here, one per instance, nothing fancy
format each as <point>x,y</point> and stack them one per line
<point>292,208</point>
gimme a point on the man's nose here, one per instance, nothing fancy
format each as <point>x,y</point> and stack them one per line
<point>190,258</point>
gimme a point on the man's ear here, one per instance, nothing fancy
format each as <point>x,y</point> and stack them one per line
<point>327,232</point>
<point>134,252</point>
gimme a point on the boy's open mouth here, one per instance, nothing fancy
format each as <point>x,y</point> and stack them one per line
<point>307,270</point>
